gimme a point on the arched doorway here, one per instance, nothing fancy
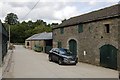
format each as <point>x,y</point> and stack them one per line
<point>108,56</point>
<point>73,46</point>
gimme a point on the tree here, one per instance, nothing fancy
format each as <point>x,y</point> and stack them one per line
<point>11,19</point>
<point>21,31</point>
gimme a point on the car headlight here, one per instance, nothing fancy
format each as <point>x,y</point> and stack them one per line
<point>65,59</point>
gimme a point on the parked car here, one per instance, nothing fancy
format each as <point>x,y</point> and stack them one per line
<point>37,48</point>
<point>63,56</point>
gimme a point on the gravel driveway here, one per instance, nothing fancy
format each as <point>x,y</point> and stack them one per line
<point>30,64</point>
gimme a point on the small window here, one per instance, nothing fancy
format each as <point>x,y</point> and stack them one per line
<point>59,45</point>
<point>107,26</point>
<point>80,28</point>
<point>62,30</point>
<point>90,30</point>
<point>27,43</point>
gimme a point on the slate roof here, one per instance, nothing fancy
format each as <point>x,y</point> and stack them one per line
<point>41,36</point>
<point>108,12</point>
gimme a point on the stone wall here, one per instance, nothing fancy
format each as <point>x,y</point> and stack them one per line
<point>27,46</point>
<point>33,43</point>
<point>90,40</point>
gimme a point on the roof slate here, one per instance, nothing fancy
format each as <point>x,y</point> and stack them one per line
<point>41,36</point>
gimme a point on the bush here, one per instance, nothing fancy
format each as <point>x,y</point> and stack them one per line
<point>38,48</point>
<point>11,47</point>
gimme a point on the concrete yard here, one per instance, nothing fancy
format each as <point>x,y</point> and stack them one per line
<point>30,64</point>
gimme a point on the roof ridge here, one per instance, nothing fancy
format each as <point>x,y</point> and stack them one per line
<point>95,11</point>
<point>40,36</point>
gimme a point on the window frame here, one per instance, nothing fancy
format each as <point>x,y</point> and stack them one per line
<point>62,30</point>
<point>59,44</point>
<point>107,28</point>
<point>28,43</point>
<point>80,28</point>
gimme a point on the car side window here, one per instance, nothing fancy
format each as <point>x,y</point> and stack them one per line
<point>62,52</point>
<point>53,50</point>
<point>56,50</point>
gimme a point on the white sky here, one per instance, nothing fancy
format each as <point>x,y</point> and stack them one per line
<point>51,11</point>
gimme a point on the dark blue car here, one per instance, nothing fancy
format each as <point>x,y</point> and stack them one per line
<point>63,56</point>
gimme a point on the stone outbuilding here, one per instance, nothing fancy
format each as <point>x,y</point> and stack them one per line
<point>43,39</point>
<point>92,36</point>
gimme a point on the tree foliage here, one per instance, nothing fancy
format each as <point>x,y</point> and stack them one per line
<point>11,19</point>
<point>23,30</point>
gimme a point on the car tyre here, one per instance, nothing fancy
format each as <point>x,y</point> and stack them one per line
<point>60,62</point>
<point>74,63</point>
<point>50,58</point>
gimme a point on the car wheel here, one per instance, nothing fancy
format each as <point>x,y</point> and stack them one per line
<point>50,58</point>
<point>60,62</point>
<point>74,63</point>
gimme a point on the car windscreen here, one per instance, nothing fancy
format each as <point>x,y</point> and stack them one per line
<point>65,52</point>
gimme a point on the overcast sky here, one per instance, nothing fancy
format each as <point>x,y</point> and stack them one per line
<point>51,11</point>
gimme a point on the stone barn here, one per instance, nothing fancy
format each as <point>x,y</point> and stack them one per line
<point>92,36</point>
<point>43,39</point>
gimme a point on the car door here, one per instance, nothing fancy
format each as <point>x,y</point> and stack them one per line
<point>56,54</point>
